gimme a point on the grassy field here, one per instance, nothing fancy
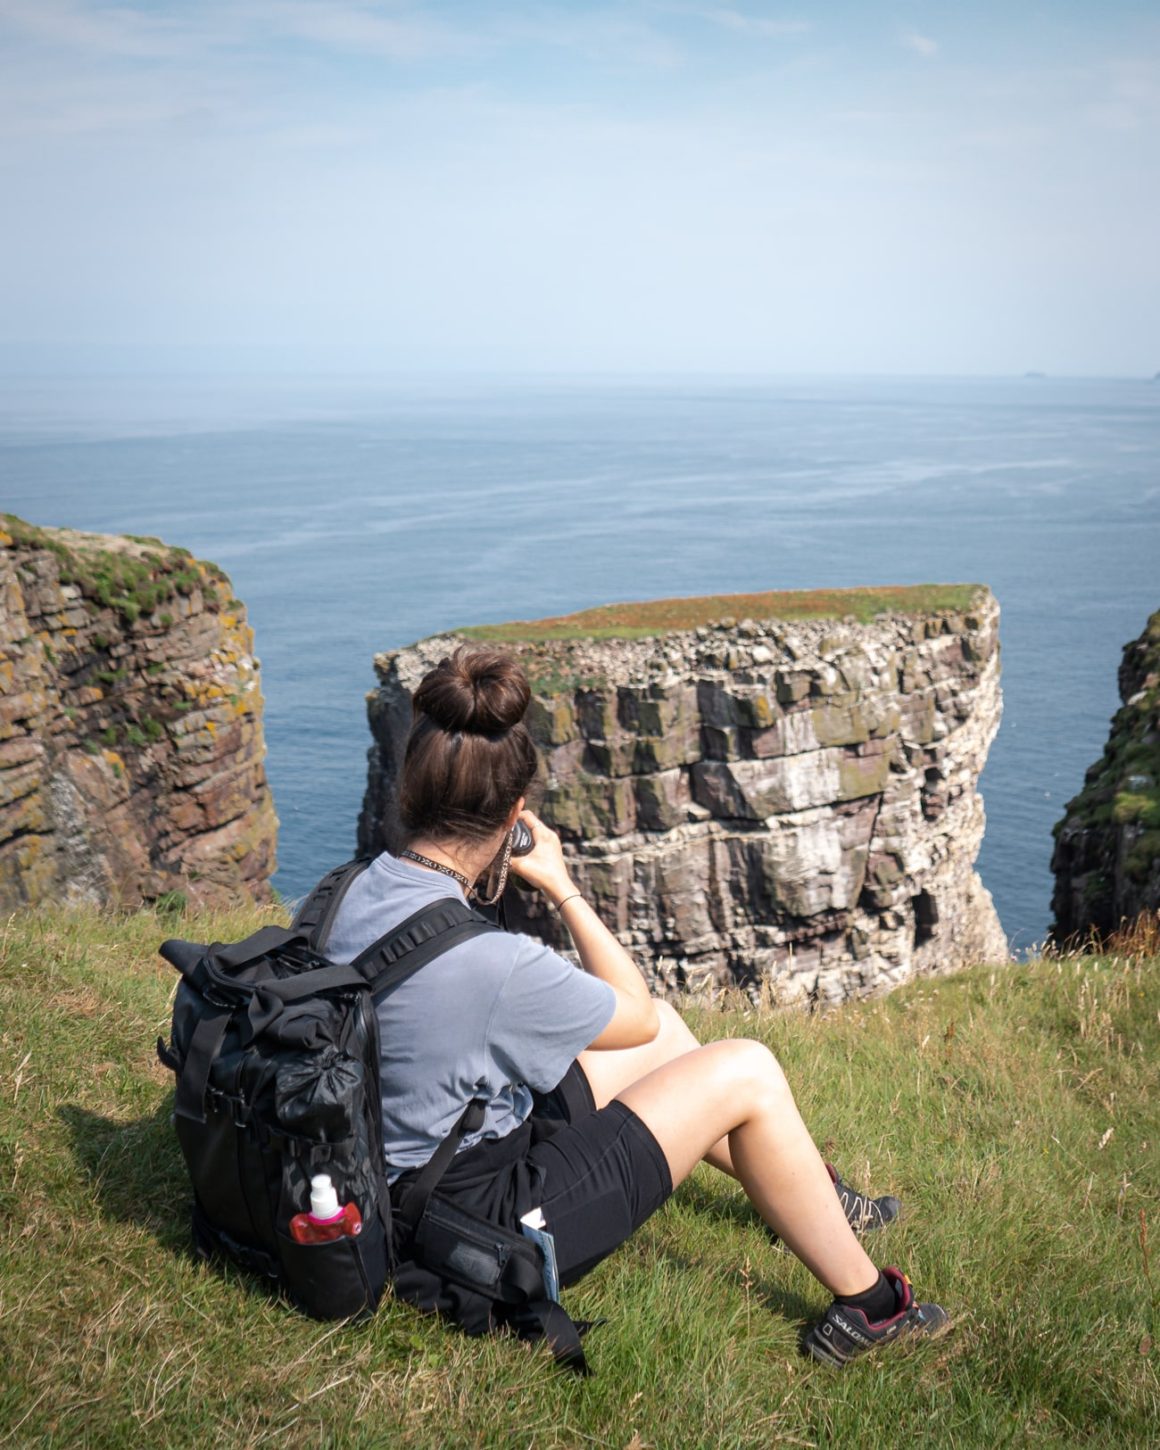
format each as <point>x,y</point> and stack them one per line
<point>645,618</point>
<point>1015,1111</point>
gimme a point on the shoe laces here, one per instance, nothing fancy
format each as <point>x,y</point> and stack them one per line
<point>861,1210</point>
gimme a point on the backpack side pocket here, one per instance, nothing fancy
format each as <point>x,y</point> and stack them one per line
<point>338,1280</point>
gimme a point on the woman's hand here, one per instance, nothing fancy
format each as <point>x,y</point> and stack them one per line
<point>544,866</point>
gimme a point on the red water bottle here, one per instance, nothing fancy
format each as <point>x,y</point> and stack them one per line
<point>327,1219</point>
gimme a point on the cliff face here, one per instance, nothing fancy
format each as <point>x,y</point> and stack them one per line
<point>773,790</point>
<point>1107,847</point>
<point>130,725</point>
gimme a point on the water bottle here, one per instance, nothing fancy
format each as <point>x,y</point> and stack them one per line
<point>327,1220</point>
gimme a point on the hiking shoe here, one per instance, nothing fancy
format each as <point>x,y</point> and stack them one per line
<point>843,1333</point>
<point>862,1212</point>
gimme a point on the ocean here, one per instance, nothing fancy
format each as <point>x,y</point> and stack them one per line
<point>359,514</point>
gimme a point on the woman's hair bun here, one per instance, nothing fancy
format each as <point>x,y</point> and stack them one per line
<point>479,691</point>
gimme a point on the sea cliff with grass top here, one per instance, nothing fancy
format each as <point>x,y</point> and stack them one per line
<point>1107,846</point>
<point>131,746</point>
<point>774,791</point>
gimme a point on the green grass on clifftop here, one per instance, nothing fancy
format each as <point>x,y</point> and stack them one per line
<point>1016,1112</point>
<point>663,616</point>
<point>131,574</point>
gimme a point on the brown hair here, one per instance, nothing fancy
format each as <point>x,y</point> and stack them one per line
<point>469,756</point>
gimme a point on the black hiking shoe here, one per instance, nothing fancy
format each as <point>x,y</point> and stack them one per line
<point>843,1333</point>
<point>862,1212</point>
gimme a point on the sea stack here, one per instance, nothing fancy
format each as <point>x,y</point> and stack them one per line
<point>1107,847</point>
<point>773,791</point>
<point>131,748</point>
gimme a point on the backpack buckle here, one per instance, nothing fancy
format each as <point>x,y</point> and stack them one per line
<point>240,1112</point>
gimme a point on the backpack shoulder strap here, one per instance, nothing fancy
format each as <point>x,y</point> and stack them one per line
<point>425,934</point>
<point>395,956</point>
<point>315,917</point>
<point>417,1194</point>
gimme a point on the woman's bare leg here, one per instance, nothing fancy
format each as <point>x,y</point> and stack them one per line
<point>609,1073</point>
<point>736,1090</point>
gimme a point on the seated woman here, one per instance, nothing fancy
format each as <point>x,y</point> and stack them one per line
<point>501,1017</point>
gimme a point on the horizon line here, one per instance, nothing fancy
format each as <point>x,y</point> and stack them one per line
<point>11,368</point>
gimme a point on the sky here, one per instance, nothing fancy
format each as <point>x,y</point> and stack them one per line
<point>652,186</point>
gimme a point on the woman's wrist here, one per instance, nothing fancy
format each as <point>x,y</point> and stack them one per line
<point>562,891</point>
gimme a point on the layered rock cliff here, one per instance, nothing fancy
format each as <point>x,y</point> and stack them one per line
<point>777,790</point>
<point>1107,847</point>
<point>131,741</point>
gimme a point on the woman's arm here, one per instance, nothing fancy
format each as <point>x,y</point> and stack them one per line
<point>635,1020</point>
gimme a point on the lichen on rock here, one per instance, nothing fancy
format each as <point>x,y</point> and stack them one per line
<point>131,748</point>
<point>775,791</point>
<point>1107,846</point>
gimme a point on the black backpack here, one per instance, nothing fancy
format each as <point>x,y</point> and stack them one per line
<point>276,1056</point>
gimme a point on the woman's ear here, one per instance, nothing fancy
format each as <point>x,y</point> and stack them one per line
<point>514,813</point>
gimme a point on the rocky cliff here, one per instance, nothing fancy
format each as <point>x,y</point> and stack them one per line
<point>130,725</point>
<point>776,790</point>
<point>1107,847</point>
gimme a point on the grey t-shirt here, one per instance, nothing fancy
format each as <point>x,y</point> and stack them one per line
<point>492,1017</point>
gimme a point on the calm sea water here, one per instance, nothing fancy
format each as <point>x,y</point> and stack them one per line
<point>356,515</point>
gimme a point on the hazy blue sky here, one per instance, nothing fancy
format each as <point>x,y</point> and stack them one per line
<point>649,185</point>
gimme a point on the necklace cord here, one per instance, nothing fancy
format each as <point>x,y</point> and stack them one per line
<point>410,855</point>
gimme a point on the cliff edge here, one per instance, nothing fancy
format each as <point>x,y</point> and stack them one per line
<point>131,740</point>
<point>773,790</point>
<point>1107,846</point>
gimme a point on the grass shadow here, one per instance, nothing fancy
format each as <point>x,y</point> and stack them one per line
<point>786,1303</point>
<point>138,1175</point>
<point>728,1207</point>
<point>135,1170</point>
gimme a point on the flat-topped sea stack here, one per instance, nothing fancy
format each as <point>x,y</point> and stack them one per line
<point>131,749</point>
<point>777,791</point>
<point>1107,847</point>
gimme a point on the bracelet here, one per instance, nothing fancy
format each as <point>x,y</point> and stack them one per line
<point>575,894</point>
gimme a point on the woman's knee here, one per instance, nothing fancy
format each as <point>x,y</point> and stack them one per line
<point>692,1102</point>
<point>748,1066</point>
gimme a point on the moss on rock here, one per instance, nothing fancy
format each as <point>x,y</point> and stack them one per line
<point>133,578</point>
<point>1107,851</point>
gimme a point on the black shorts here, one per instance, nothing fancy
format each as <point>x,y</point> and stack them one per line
<point>597,1174</point>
